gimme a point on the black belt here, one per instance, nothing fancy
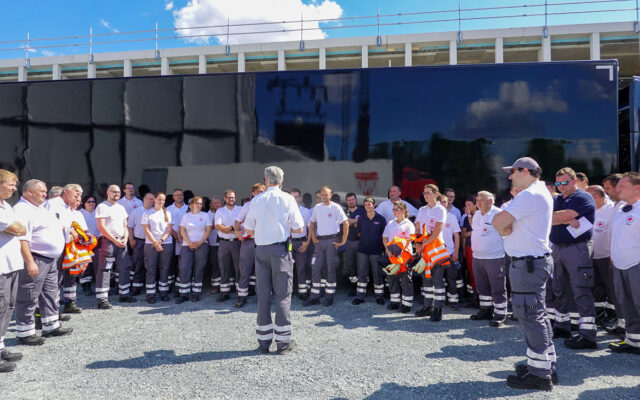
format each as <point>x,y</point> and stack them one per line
<point>137,238</point>
<point>300,239</point>
<point>227,240</point>
<point>327,237</point>
<point>276,244</point>
<point>545,255</point>
<point>570,244</point>
<point>43,257</point>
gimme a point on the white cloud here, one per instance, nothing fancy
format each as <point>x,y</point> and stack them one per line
<point>168,6</point>
<point>49,53</point>
<point>24,46</point>
<point>108,26</point>
<point>216,12</point>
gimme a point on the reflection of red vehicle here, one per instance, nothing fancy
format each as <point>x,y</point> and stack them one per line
<point>413,182</point>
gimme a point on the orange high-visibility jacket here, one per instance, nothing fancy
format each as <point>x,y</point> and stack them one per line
<point>404,255</point>
<point>77,254</point>
<point>435,253</point>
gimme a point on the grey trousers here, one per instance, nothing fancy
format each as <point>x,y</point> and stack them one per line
<point>66,283</point>
<point>603,294</point>
<point>325,253</point>
<point>351,260</point>
<point>454,281</point>
<point>138,266</point>
<point>573,267</point>
<point>274,274</point>
<point>215,269</point>
<point>401,288</point>
<point>157,266</point>
<point>247,266</point>
<point>229,263</point>
<point>528,299</point>
<point>491,284</point>
<point>301,262</point>
<point>192,265</point>
<point>366,263</point>
<point>37,291</point>
<point>626,284</point>
<point>89,272</point>
<point>434,290</point>
<point>8,292</point>
<point>108,255</point>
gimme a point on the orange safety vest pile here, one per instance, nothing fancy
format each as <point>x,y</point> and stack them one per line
<point>400,255</point>
<point>433,253</point>
<point>78,253</point>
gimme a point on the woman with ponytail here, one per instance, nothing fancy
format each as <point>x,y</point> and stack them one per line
<point>195,228</point>
<point>158,248</point>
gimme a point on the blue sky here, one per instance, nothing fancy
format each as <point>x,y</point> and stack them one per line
<point>44,19</point>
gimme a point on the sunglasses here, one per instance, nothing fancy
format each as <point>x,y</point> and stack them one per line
<point>562,183</point>
<point>91,201</point>
<point>627,208</point>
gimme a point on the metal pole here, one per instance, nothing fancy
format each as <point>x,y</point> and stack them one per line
<point>459,39</point>
<point>379,38</point>
<point>157,54</point>
<point>545,29</point>
<point>27,60</point>
<point>301,31</point>
<point>636,25</point>
<point>91,45</point>
<point>227,48</point>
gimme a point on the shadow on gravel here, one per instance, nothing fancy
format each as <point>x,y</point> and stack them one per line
<point>611,393</point>
<point>457,390</point>
<point>157,358</point>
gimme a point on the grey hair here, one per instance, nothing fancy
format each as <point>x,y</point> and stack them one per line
<point>72,187</point>
<point>274,175</point>
<point>486,194</point>
<point>32,183</point>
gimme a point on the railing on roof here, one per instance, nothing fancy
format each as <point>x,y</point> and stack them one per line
<point>547,10</point>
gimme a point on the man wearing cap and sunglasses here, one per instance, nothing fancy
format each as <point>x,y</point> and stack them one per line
<point>525,224</point>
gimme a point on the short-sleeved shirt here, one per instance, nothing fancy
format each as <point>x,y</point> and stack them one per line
<point>580,202</point>
<point>371,230</point>
<point>226,217</point>
<point>328,218</point>
<point>602,231</point>
<point>130,205</point>
<point>196,225</point>
<point>135,221</point>
<point>625,238</point>
<point>456,212</point>
<point>399,229</point>
<point>242,215</point>
<point>356,214</point>
<point>386,210</point>
<point>429,217</point>
<point>176,215</point>
<point>90,219</point>
<point>157,222</point>
<point>273,216</point>
<point>213,236</point>
<point>115,217</point>
<point>10,256</point>
<point>65,215</point>
<point>306,217</point>
<point>44,231</point>
<point>487,242</point>
<point>450,227</point>
<point>532,209</point>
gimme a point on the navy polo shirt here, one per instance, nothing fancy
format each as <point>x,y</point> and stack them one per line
<point>357,213</point>
<point>580,202</point>
<point>467,226</point>
<point>370,231</point>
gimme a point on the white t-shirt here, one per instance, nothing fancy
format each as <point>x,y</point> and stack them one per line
<point>135,221</point>
<point>532,209</point>
<point>456,212</point>
<point>242,215</point>
<point>450,227</point>
<point>486,242</point>
<point>115,218</point>
<point>44,231</point>
<point>196,225</point>
<point>213,236</point>
<point>429,217</point>
<point>227,217</point>
<point>306,217</point>
<point>130,205</point>
<point>90,220</point>
<point>176,215</point>
<point>273,216</point>
<point>10,256</point>
<point>625,238</point>
<point>602,230</point>
<point>157,225</point>
<point>328,218</point>
<point>385,209</point>
<point>402,230</point>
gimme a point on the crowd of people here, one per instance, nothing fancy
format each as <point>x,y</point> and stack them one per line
<point>562,257</point>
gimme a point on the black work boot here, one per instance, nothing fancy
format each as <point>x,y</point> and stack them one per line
<point>483,314</point>
<point>436,315</point>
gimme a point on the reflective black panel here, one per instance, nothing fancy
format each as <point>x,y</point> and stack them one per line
<point>59,102</point>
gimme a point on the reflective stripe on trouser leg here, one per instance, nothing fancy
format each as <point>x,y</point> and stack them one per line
<point>324,258</point>
<point>364,264</point>
<point>9,291</point>
<point>199,264</point>
<point>138,270</point>
<point>228,260</point>
<point>215,269</point>
<point>626,284</point>
<point>246,267</point>
<point>302,266</point>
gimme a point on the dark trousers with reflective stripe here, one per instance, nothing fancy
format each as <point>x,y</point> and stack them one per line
<point>229,263</point>
<point>215,269</point>
<point>491,284</point>
<point>8,292</point>
<point>528,300</point>
<point>325,253</point>
<point>247,266</point>
<point>274,274</point>
<point>192,265</point>
<point>37,291</point>
<point>110,256</point>
<point>137,262</point>
<point>301,262</point>
<point>434,290</point>
<point>351,259</point>
<point>157,267</point>
<point>603,295</point>
<point>66,283</point>
<point>400,285</point>
<point>366,263</point>
<point>573,268</point>
<point>626,285</point>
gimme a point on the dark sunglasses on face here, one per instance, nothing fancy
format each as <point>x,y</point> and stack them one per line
<point>91,201</point>
<point>562,183</point>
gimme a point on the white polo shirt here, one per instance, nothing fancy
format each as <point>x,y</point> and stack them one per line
<point>196,225</point>
<point>213,236</point>
<point>242,215</point>
<point>273,216</point>
<point>486,242</point>
<point>115,218</point>
<point>226,217</point>
<point>429,217</point>
<point>625,238</point>
<point>456,212</point>
<point>44,231</point>
<point>157,225</point>
<point>532,209</point>
<point>90,220</point>
<point>306,217</point>
<point>328,218</point>
<point>130,205</point>
<point>401,230</point>
<point>450,227</point>
<point>135,221</point>
<point>10,256</point>
<point>602,230</point>
<point>385,209</point>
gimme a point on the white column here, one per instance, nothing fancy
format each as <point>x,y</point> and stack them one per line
<point>127,69</point>
<point>202,64</point>
<point>282,66</point>
<point>365,56</point>
<point>407,55</point>
<point>594,46</point>
<point>91,70</point>
<point>164,66</point>
<point>453,52</point>
<point>545,51</point>
<point>322,58</point>
<point>499,50</point>
<point>56,72</point>
<point>242,67</point>
<point>22,74</point>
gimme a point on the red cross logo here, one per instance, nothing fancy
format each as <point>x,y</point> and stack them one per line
<point>329,215</point>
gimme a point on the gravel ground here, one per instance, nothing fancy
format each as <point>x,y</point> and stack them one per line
<point>207,350</point>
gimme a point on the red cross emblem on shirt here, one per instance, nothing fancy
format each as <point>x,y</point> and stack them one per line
<point>329,215</point>
<point>600,224</point>
<point>200,219</point>
<point>629,219</point>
